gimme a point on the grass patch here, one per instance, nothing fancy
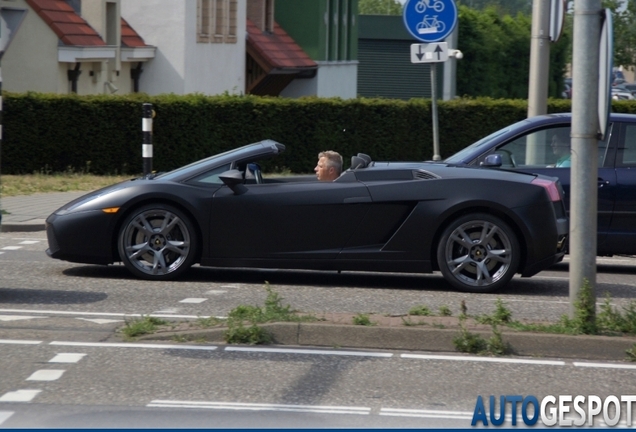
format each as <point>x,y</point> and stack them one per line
<point>363,320</point>
<point>13,185</point>
<point>420,310</point>
<point>142,326</point>
<point>445,311</point>
<point>242,322</point>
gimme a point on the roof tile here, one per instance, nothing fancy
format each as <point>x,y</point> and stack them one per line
<point>72,29</point>
<point>278,49</point>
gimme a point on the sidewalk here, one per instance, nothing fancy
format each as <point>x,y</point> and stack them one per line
<point>28,212</point>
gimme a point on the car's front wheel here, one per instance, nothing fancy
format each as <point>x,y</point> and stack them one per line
<point>478,253</point>
<point>157,242</point>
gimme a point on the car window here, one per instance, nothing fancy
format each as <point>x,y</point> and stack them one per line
<point>545,148</point>
<point>627,154</point>
<point>212,176</point>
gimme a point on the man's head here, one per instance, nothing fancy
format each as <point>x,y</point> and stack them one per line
<point>329,165</point>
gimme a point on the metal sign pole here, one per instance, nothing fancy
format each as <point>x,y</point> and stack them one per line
<point>436,155</point>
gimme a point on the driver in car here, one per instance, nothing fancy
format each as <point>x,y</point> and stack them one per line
<point>329,165</point>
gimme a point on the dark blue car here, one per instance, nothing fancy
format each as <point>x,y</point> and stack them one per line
<point>536,145</point>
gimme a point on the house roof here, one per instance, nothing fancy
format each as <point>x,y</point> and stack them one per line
<point>129,37</point>
<point>278,50</point>
<point>73,30</point>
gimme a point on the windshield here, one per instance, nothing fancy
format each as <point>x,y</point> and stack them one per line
<point>194,166</point>
<point>458,157</point>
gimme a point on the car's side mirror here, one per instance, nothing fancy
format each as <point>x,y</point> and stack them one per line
<point>234,180</point>
<point>492,160</point>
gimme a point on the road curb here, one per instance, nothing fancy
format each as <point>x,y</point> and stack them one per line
<point>422,339</point>
<point>22,227</point>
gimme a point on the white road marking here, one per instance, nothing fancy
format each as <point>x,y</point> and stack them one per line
<point>19,342</point>
<point>193,300</point>
<point>46,375</point>
<point>100,320</point>
<point>215,292</point>
<point>484,359</point>
<point>12,247</point>
<point>29,242</point>
<point>18,317</point>
<point>604,365</point>
<point>1,252</point>
<point>125,315</point>
<point>19,396</point>
<point>230,286</point>
<point>398,412</point>
<point>125,345</point>
<point>167,311</point>
<point>309,351</point>
<point>67,358</point>
<point>260,407</point>
<point>4,416</point>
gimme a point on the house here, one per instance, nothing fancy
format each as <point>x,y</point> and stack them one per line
<point>186,46</point>
<point>58,46</point>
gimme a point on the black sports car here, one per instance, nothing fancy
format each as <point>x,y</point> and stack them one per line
<point>478,226</point>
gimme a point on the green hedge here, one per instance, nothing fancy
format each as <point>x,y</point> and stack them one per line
<point>102,134</point>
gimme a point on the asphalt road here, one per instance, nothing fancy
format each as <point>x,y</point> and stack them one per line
<point>49,307</point>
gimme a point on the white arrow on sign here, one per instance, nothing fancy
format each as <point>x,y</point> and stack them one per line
<point>429,53</point>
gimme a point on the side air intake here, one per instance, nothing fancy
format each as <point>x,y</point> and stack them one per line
<point>424,175</point>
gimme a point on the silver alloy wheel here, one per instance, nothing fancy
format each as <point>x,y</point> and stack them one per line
<point>478,253</point>
<point>156,242</point>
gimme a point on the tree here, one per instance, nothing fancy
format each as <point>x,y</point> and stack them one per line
<point>624,19</point>
<point>379,7</point>
<point>503,7</point>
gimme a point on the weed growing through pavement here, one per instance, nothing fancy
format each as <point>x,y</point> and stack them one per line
<point>242,322</point>
<point>420,310</point>
<point>139,327</point>
<point>445,311</point>
<point>363,320</point>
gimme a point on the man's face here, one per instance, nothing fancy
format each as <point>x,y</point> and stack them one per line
<point>324,172</point>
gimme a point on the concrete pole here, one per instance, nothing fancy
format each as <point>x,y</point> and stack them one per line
<point>539,58</point>
<point>436,155</point>
<point>585,126</point>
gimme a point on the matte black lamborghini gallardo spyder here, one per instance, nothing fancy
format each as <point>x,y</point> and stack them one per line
<point>478,226</point>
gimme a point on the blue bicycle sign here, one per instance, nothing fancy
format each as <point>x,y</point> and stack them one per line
<point>430,20</point>
<point>436,5</point>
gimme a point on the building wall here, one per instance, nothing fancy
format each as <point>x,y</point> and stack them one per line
<point>385,68</point>
<point>327,30</point>
<point>30,61</point>
<point>181,65</point>
<point>334,79</point>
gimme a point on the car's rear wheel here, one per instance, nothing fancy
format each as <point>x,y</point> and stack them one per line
<point>478,253</point>
<point>157,242</point>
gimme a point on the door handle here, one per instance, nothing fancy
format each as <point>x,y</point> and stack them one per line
<point>602,182</point>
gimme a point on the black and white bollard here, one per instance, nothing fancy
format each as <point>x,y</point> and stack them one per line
<point>146,146</point>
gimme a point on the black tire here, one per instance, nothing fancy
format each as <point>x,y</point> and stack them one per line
<point>478,253</point>
<point>157,242</point>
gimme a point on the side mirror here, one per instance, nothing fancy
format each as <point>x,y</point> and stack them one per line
<point>492,160</point>
<point>234,180</point>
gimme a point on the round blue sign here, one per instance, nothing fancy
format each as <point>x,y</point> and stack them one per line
<point>430,20</point>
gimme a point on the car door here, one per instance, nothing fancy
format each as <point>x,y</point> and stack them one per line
<point>622,233</point>
<point>287,220</point>
<point>541,151</point>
